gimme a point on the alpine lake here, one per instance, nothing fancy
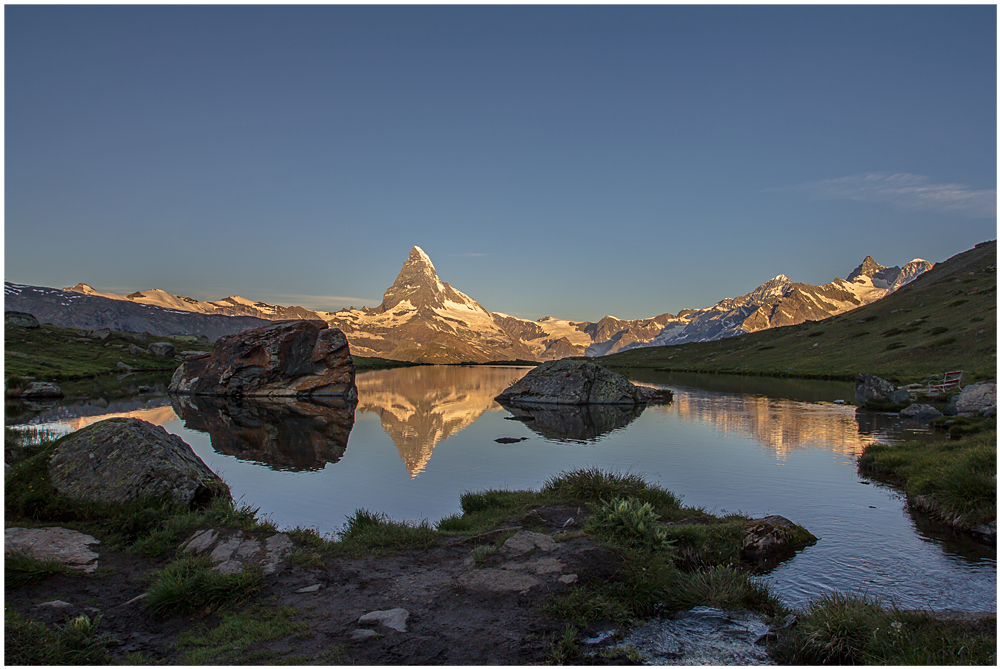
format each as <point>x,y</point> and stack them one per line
<point>421,436</point>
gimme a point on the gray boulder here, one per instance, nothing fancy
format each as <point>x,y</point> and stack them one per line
<point>67,547</point>
<point>135,350</point>
<point>977,398</point>
<point>162,349</point>
<point>120,460</point>
<point>870,388</point>
<point>768,537</point>
<point>20,319</point>
<point>920,412</point>
<point>572,381</point>
<point>40,389</point>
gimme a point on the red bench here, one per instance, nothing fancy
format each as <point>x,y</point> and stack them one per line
<point>950,380</point>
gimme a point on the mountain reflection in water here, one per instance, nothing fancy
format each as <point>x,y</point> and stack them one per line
<point>285,434</point>
<point>579,424</point>
<point>420,406</point>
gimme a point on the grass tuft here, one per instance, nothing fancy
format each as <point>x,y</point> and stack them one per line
<point>367,530</point>
<point>189,586</point>
<point>20,568</point>
<point>628,523</point>
<point>27,642</point>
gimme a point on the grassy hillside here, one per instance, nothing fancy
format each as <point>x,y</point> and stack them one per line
<point>945,320</point>
<point>52,353</point>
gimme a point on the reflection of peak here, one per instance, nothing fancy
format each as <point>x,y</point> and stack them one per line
<point>420,406</point>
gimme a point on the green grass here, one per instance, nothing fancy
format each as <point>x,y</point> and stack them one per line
<point>231,640</point>
<point>189,586</point>
<point>959,476</point>
<point>912,319</point>
<point>367,531</point>
<point>20,568</point>
<point>27,642</point>
<point>54,353</point>
<point>857,629</point>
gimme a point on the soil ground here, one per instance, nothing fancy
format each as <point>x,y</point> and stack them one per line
<point>454,618</point>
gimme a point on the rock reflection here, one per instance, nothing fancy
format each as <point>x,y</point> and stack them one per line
<point>578,423</point>
<point>283,434</point>
<point>420,406</point>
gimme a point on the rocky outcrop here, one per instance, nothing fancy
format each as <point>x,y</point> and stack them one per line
<point>293,359</point>
<point>285,433</point>
<point>869,388</point>
<point>121,460</point>
<point>20,319</point>
<point>920,412</point>
<point>573,381</point>
<point>163,349</point>
<point>231,553</point>
<point>40,390</point>
<point>977,398</point>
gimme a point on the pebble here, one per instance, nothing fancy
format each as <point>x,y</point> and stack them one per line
<point>309,588</point>
<point>391,618</point>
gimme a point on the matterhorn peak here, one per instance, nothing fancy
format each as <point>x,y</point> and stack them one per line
<point>417,254</point>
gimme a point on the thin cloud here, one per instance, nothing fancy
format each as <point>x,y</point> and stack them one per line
<point>320,302</point>
<point>907,191</point>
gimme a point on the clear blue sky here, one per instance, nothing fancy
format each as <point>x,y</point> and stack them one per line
<point>566,161</point>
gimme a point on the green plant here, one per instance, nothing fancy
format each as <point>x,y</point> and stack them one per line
<point>480,554</point>
<point>228,642</point>
<point>367,530</point>
<point>21,568</point>
<point>629,523</point>
<point>190,585</point>
<point>27,642</point>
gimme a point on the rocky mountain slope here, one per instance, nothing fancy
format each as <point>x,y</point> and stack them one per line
<point>423,319</point>
<point>93,312</point>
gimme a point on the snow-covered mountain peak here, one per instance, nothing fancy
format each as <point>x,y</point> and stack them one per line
<point>417,254</point>
<point>868,267</point>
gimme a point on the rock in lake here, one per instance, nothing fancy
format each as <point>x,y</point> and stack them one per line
<point>920,412</point>
<point>870,387</point>
<point>288,359</point>
<point>769,537</point>
<point>39,389</point>
<point>120,460</point>
<point>574,381</point>
<point>20,319</point>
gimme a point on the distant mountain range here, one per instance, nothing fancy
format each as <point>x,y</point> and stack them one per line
<point>423,319</point>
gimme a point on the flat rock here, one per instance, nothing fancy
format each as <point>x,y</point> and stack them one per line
<point>309,589</point>
<point>920,412</point>
<point>121,460</point>
<point>392,618</point>
<point>497,580</point>
<point>231,554</point>
<point>361,635</point>
<point>67,547</point>
<point>526,541</point>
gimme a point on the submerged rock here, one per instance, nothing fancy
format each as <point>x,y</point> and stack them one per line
<point>289,359</point>
<point>121,460</point>
<point>869,387</point>
<point>575,381</point>
<point>702,636</point>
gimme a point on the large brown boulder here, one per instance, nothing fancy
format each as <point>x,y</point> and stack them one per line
<point>121,460</point>
<point>288,359</point>
<point>573,381</point>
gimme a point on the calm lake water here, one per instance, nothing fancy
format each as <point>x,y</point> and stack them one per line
<point>422,436</point>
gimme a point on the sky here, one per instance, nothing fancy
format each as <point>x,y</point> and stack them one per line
<point>571,161</point>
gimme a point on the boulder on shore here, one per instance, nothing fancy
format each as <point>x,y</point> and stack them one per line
<point>870,388</point>
<point>41,389</point>
<point>164,349</point>
<point>920,412</point>
<point>121,460</point>
<point>976,398</point>
<point>287,359</point>
<point>576,381</point>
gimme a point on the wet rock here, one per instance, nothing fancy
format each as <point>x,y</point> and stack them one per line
<point>234,552</point>
<point>572,381</point>
<point>41,389</point>
<point>869,387</point>
<point>702,636</point>
<point>392,618</point>
<point>21,319</point>
<point>67,547</point>
<point>976,398</point>
<point>986,533</point>
<point>920,412</point>
<point>119,460</point>
<point>291,359</point>
<point>163,349</point>
<point>771,536</point>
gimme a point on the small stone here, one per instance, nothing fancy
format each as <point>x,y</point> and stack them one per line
<point>392,618</point>
<point>568,578</point>
<point>525,541</point>
<point>361,635</point>
<point>309,588</point>
<point>200,541</point>
<point>54,604</point>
